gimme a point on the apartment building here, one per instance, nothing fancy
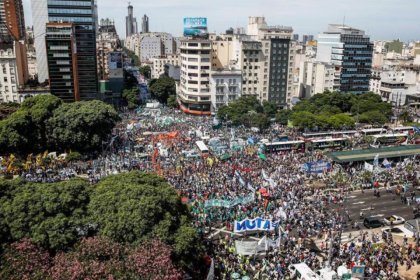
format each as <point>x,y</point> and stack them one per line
<point>158,64</point>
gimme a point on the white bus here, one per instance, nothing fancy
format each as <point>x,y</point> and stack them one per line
<point>373,131</point>
<point>202,147</point>
<point>403,129</point>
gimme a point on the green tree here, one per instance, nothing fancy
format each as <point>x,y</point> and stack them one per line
<point>270,109</point>
<point>51,215</point>
<point>341,121</point>
<point>136,206</point>
<point>283,116</point>
<point>163,88</point>
<point>81,126</point>
<point>172,102</point>
<point>132,98</point>
<point>304,120</point>
<point>146,71</point>
<point>73,156</point>
<point>373,117</point>
<point>6,109</point>
<point>238,111</point>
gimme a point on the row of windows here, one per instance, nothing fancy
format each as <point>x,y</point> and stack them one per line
<point>70,11</point>
<point>70,3</point>
<point>71,19</point>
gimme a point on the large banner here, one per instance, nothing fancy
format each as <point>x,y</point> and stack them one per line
<point>229,203</point>
<point>257,224</point>
<point>249,248</point>
<point>320,166</point>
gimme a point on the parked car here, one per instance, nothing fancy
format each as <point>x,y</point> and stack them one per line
<point>372,222</point>
<point>394,220</point>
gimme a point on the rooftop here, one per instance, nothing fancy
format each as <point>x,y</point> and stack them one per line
<point>370,154</point>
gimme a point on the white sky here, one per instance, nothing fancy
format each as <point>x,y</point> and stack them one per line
<point>381,19</point>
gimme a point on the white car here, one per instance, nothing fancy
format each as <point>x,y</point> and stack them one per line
<point>394,220</point>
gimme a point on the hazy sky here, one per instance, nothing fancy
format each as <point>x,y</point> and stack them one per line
<point>382,19</point>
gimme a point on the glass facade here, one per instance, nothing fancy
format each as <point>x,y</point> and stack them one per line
<point>356,63</point>
<point>279,68</point>
<point>81,14</point>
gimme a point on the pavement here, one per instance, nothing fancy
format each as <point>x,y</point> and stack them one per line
<point>387,204</point>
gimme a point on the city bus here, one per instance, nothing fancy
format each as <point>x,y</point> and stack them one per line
<point>330,134</point>
<point>317,135</point>
<point>288,146</point>
<point>333,143</point>
<point>403,129</point>
<point>373,131</point>
<point>344,133</point>
<point>390,139</point>
<point>202,147</point>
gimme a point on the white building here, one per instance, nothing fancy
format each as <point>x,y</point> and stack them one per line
<point>149,45</point>
<point>158,66</point>
<point>317,77</point>
<point>225,86</point>
<point>394,85</point>
<point>194,90</point>
<point>8,72</point>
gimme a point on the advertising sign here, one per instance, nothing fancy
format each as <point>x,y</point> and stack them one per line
<point>317,167</point>
<point>257,224</point>
<point>195,27</point>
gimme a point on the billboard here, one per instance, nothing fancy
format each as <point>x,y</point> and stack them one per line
<point>195,27</point>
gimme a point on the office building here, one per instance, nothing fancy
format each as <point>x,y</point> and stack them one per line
<point>82,14</point>
<point>130,22</point>
<point>349,49</point>
<point>194,90</point>
<point>307,38</point>
<point>107,41</point>
<point>62,61</point>
<point>145,24</point>
<point>278,50</point>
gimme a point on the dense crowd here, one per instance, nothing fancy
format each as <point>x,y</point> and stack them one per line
<point>274,188</point>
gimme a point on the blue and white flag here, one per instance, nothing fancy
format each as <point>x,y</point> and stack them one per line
<point>386,163</point>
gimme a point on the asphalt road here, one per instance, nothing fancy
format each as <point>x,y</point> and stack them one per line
<point>387,204</point>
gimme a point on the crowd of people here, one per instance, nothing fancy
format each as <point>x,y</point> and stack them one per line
<point>274,187</point>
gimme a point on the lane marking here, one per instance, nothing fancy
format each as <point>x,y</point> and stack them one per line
<point>360,202</point>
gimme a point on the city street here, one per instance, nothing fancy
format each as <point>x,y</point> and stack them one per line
<point>387,204</point>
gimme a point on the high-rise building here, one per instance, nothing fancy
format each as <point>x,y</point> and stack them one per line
<point>307,38</point>
<point>351,51</point>
<point>13,60</point>
<point>130,22</point>
<point>275,84</point>
<point>145,24</point>
<point>194,89</point>
<point>82,14</point>
<point>62,62</point>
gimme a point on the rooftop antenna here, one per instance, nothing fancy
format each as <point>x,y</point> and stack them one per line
<point>344,20</point>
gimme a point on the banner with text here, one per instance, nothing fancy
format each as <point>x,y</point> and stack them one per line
<point>257,224</point>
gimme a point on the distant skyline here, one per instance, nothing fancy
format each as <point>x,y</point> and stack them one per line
<point>381,19</point>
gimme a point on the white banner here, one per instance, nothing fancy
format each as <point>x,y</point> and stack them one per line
<point>249,248</point>
<point>257,224</point>
<point>368,167</point>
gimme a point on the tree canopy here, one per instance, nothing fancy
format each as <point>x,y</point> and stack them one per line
<point>132,97</point>
<point>128,226</point>
<point>162,88</point>
<point>336,110</point>
<point>46,123</point>
<point>248,111</point>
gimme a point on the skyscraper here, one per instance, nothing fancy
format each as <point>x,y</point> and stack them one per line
<point>81,14</point>
<point>145,24</point>
<point>130,22</point>
<point>350,50</point>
